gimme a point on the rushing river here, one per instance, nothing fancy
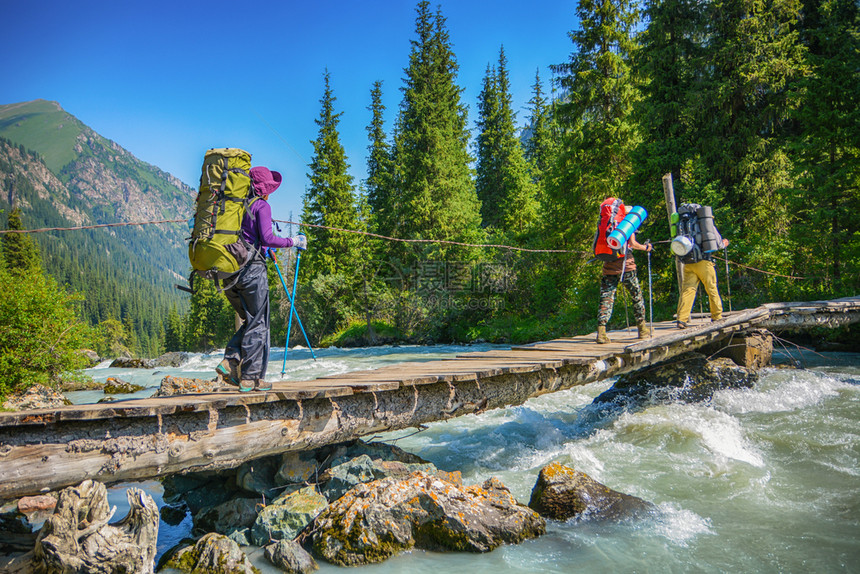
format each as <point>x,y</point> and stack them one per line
<point>765,479</point>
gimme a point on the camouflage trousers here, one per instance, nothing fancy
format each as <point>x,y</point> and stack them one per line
<point>608,286</point>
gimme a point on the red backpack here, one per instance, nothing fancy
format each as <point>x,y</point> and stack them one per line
<point>612,211</point>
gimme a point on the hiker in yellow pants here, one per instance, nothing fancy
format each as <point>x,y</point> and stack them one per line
<point>705,272</point>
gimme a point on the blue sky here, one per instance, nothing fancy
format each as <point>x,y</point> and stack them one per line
<point>169,80</point>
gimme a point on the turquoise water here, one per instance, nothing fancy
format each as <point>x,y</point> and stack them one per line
<point>765,479</point>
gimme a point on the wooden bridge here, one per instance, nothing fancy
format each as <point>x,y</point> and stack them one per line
<point>131,440</point>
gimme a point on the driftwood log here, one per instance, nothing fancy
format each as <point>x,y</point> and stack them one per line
<point>78,539</point>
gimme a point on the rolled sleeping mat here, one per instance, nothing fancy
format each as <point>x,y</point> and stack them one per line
<point>681,245</point>
<point>710,237</point>
<point>626,227</point>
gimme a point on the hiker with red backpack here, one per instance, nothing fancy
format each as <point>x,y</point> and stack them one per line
<point>247,354</point>
<point>618,263</point>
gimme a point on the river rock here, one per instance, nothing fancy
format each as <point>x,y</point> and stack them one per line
<point>689,377</point>
<point>42,502</point>
<point>93,358</point>
<point>375,450</point>
<point>341,478</point>
<point>115,386</point>
<point>297,468</point>
<point>287,516</point>
<point>78,539</point>
<point>562,493</point>
<point>36,397</point>
<point>290,557</point>
<point>258,476</point>
<point>200,490</point>
<point>171,385</point>
<point>129,363</point>
<point>172,359</point>
<point>377,520</point>
<point>212,554</point>
<point>227,517</point>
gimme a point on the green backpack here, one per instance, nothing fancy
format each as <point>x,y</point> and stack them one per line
<point>216,248</point>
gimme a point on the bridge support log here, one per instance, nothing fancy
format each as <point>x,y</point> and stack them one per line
<point>751,349</point>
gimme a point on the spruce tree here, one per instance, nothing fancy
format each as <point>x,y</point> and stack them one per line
<point>827,147</point>
<point>378,185</point>
<point>503,184</point>
<point>330,198</point>
<point>540,148</point>
<point>752,54</point>
<point>598,132</point>
<point>667,64</point>
<point>432,164</point>
<point>20,253</point>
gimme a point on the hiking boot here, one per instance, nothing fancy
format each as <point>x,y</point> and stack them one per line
<point>644,331</point>
<point>602,337</point>
<point>680,324</point>
<point>228,371</point>
<point>263,385</point>
<point>247,385</point>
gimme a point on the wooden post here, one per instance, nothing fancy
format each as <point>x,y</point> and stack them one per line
<point>669,193</point>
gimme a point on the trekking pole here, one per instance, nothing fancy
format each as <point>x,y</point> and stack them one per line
<point>650,291</point>
<point>620,285</point>
<point>728,279</point>
<point>292,310</point>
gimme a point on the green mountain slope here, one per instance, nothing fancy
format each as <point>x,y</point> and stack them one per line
<point>62,174</point>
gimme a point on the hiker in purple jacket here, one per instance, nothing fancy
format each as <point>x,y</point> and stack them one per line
<point>247,354</point>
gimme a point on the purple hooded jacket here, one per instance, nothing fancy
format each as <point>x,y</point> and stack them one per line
<point>257,225</point>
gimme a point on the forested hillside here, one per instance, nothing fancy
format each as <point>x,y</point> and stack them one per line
<point>60,173</point>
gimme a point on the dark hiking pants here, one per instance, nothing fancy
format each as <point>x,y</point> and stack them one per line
<point>250,298</point>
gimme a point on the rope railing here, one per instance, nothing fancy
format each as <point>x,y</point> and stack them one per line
<point>376,236</point>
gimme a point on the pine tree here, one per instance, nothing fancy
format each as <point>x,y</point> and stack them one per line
<point>503,184</point>
<point>20,254</point>
<point>330,198</point>
<point>432,173</point>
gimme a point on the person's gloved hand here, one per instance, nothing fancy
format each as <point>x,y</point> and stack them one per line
<point>300,242</point>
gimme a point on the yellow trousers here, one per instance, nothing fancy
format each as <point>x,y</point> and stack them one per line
<point>705,272</point>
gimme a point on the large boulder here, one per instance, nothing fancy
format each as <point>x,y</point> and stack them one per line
<point>36,397</point>
<point>171,385</point>
<point>287,516</point>
<point>78,539</point>
<point>562,493</point>
<point>115,386</point>
<point>339,479</point>
<point>227,517</point>
<point>130,363</point>
<point>212,554</point>
<point>377,520</point>
<point>171,359</point>
<point>689,377</point>
<point>290,557</point>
